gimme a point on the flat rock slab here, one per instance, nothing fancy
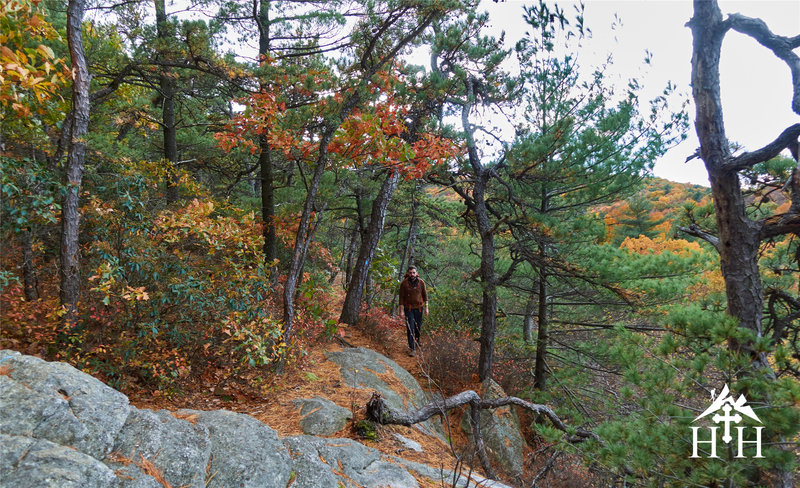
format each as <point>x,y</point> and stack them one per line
<point>336,463</point>
<point>57,402</point>
<point>26,462</point>
<point>179,449</point>
<point>321,416</point>
<point>245,453</point>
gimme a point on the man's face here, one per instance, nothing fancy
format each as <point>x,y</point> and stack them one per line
<point>412,274</point>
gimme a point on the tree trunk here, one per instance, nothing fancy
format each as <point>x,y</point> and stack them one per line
<point>542,337</point>
<point>351,253</point>
<point>268,203</point>
<point>355,289</point>
<point>302,239</point>
<point>70,209</point>
<point>478,206</point>
<point>738,235</point>
<point>489,301</point>
<point>28,270</point>
<point>168,93</point>
<point>527,325</point>
<point>265,158</point>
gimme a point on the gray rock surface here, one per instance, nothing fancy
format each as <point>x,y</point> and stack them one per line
<point>331,463</point>
<point>26,462</point>
<point>321,416</point>
<point>407,443</point>
<point>179,449</point>
<point>501,432</point>
<point>361,367</point>
<point>244,452</point>
<point>55,401</point>
<point>60,427</point>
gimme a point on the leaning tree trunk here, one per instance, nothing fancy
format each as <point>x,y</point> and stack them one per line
<point>355,289</point>
<point>70,209</point>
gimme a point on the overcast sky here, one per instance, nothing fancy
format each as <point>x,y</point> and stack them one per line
<point>756,86</point>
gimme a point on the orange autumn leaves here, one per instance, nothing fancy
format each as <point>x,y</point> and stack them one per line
<point>372,135</point>
<point>30,73</point>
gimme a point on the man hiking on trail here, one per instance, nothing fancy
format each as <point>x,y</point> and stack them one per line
<point>413,298</point>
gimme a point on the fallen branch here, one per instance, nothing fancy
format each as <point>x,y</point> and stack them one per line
<point>380,412</point>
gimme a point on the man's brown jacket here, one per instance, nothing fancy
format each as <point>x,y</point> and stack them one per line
<point>413,296</point>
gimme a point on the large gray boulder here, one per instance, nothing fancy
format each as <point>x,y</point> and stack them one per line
<point>244,452</point>
<point>55,401</point>
<point>60,427</point>
<point>335,463</point>
<point>501,432</point>
<point>26,462</point>
<point>321,416</point>
<point>361,367</point>
<point>176,447</point>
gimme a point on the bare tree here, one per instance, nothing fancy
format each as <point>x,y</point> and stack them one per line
<point>739,237</point>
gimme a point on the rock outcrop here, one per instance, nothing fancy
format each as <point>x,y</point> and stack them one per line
<point>62,428</point>
<point>501,432</point>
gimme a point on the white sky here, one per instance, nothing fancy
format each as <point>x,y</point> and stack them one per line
<point>756,86</point>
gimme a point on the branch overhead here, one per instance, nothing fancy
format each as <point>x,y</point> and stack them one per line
<point>782,47</point>
<point>787,138</point>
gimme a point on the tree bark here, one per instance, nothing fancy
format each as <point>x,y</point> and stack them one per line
<point>355,289</point>
<point>738,236</point>
<point>70,209</point>
<point>268,202</point>
<point>168,93</point>
<point>351,252</point>
<point>543,335</point>
<point>527,325</point>
<point>265,157</point>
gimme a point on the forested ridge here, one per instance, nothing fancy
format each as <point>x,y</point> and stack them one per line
<point>198,199</point>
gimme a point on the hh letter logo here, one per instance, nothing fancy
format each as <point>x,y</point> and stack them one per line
<point>722,407</point>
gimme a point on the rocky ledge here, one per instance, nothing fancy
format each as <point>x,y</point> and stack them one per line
<point>60,427</point>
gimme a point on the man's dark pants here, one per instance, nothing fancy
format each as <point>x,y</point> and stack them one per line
<point>413,326</point>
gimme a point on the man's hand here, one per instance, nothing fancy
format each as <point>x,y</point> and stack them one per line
<point>426,309</point>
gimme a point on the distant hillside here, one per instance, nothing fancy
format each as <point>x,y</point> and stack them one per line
<point>653,211</point>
